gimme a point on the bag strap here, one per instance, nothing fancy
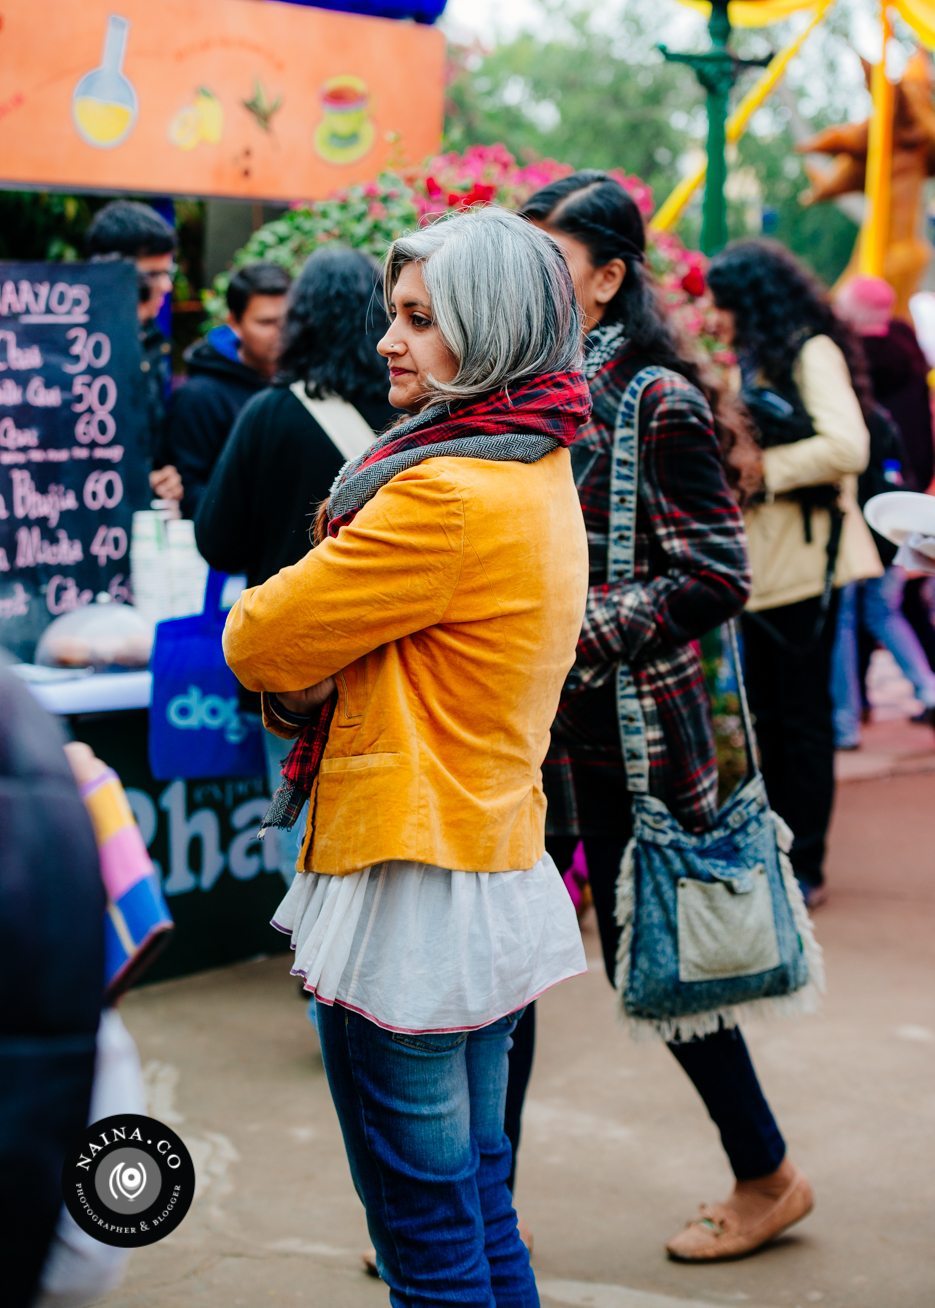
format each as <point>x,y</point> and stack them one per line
<point>340,421</point>
<point>831,564</point>
<point>621,565</point>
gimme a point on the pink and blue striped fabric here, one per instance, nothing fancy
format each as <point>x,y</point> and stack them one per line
<point>138,921</point>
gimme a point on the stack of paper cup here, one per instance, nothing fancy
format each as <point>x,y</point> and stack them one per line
<point>149,574</point>
<point>188,570</point>
<point>167,572</point>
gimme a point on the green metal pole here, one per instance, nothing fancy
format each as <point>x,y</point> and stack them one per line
<point>717,77</point>
<point>717,70</point>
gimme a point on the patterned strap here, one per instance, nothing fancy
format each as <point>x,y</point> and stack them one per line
<point>621,560</point>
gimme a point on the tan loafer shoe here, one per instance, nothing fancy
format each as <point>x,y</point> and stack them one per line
<point>718,1233</point>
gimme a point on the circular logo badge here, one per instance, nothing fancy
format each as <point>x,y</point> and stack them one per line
<point>128,1180</point>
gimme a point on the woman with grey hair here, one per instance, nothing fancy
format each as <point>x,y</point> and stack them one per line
<point>290,440</point>
<point>418,653</point>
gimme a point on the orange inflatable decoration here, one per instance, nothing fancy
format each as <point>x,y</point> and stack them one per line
<point>913,161</point>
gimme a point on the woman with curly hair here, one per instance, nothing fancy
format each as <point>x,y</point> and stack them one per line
<point>803,379</point>
<point>691,575</point>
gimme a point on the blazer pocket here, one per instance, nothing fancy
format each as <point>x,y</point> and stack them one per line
<point>355,685</point>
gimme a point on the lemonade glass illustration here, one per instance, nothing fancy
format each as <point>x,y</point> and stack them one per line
<point>104,103</point>
<point>346,130</point>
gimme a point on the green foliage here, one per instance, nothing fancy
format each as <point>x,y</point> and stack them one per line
<point>370,216</point>
<point>595,91</point>
<point>589,85</point>
<point>36,225</point>
<point>365,217</point>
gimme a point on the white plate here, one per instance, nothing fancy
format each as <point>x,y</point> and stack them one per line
<point>899,514</point>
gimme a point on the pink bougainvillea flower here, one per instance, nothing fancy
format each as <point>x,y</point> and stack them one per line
<point>370,214</point>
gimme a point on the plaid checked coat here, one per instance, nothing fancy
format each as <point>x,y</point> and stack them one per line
<point>692,575</point>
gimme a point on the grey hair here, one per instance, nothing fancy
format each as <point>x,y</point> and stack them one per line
<point>501,296</point>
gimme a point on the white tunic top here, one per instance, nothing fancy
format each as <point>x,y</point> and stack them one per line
<point>419,948</point>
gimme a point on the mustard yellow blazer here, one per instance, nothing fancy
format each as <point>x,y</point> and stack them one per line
<point>449,611</point>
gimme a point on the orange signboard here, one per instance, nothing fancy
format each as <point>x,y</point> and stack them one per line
<point>245,98</point>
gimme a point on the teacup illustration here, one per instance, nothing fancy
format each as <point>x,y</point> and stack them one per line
<point>346,130</point>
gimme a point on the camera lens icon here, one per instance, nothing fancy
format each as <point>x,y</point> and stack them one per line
<point>127,1181</point>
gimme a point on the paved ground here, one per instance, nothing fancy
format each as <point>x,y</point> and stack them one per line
<point>617,1151</point>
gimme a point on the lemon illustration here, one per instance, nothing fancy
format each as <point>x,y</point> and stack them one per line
<point>185,128</point>
<point>210,115</point>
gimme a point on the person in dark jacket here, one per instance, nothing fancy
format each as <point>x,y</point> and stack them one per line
<point>225,370</point>
<point>291,440</point>
<point>51,980</point>
<point>126,229</point>
<point>899,375</point>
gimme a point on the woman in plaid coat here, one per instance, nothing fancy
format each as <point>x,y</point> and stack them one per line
<point>691,575</point>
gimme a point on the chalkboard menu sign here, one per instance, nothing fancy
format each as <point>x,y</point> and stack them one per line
<point>71,415</point>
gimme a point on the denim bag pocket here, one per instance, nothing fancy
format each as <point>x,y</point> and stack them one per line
<point>714,925</point>
<point>726,926</point>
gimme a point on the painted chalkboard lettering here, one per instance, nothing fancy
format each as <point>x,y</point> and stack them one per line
<point>33,549</point>
<point>102,490</point>
<point>43,301</point>
<point>90,350</point>
<point>17,358</point>
<point>42,396</point>
<point>62,595</point>
<point>30,502</point>
<point>71,468</point>
<point>17,438</point>
<point>195,833</point>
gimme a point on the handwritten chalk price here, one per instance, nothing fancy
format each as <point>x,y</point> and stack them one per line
<point>95,428</point>
<point>109,543</point>
<point>103,490</point>
<point>98,394</point>
<point>90,349</point>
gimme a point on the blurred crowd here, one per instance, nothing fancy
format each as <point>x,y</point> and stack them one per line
<point>750,502</point>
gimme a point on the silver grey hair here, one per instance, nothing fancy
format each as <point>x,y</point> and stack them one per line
<point>501,296</point>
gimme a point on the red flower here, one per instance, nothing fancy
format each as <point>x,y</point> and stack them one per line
<point>480,193</point>
<point>693,282</point>
<point>432,187</point>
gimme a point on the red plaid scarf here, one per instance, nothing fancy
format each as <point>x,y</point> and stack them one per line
<point>524,424</point>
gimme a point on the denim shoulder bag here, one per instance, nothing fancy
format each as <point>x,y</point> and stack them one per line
<point>714,926</point>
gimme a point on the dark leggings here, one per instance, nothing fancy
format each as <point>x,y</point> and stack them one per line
<point>719,1065</point>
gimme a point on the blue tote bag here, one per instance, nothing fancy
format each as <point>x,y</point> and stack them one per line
<point>197,727</point>
<point>714,926</point>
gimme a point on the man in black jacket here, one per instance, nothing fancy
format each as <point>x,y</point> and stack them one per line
<point>224,370</point>
<point>126,229</point>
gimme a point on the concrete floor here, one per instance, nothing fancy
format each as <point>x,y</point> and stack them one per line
<point>617,1151</point>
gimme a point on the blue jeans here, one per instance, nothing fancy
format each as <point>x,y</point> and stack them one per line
<point>422,1119</point>
<point>875,605</point>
